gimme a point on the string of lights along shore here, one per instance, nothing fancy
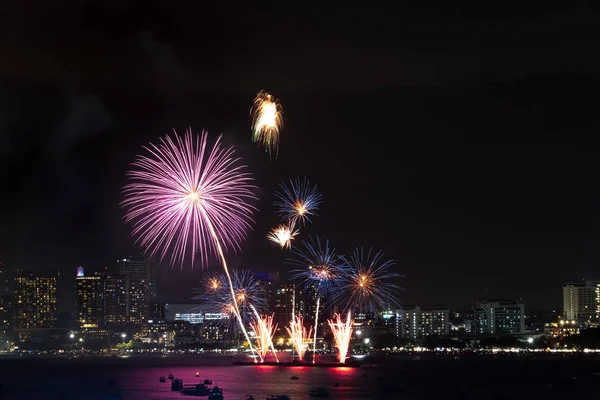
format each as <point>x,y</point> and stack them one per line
<point>188,194</point>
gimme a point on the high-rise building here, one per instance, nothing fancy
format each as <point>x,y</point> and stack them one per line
<point>494,317</point>
<point>137,300</point>
<point>6,313</point>
<point>35,303</point>
<point>139,267</point>
<point>266,285</point>
<point>283,303</point>
<point>126,300</point>
<point>581,302</point>
<point>115,300</point>
<point>88,300</point>
<point>6,280</point>
<point>416,324</point>
<point>157,310</point>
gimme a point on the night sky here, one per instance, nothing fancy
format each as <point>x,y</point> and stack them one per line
<point>458,140</point>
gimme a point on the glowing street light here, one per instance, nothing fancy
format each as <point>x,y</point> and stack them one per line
<point>123,336</point>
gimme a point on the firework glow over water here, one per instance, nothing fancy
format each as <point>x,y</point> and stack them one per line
<point>264,329</point>
<point>342,333</point>
<point>185,197</point>
<point>320,270</point>
<point>267,121</point>
<point>299,336</point>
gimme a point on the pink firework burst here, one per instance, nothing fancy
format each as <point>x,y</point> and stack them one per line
<point>185,197</point>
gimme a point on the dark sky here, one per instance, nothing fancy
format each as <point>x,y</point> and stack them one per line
<point>459,140</point>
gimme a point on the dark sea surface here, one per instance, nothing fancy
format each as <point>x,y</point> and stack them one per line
<point>405,377</point>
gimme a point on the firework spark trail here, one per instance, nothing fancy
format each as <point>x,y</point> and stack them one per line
<point>235,303</point>
<point>297,201</point>
<point>299,336</point>
<point>342,333</point>
<point>321,269</point>
<point>367,282</point>
<point>181,195</point>
<point>264,329</point>
<point>283,235</point>
<point>267,121</point>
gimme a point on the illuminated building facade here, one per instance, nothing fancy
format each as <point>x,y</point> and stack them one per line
<point>498,317</point>
<point>415,323</point>
<point>138,300</point>
<point>581,302</point>
<point>562,328</point>
<point>283,303</point>
<point>125,300</point>
<point>88,304</point>
<point>115,300</point>
<point>267,284</point>
<point>142,268</point>
<point>35,303</point>
<point>6,312</point>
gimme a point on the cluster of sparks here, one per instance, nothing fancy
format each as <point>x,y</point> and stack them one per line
<point>185,195</point>
<point>295,204</point>
<point>299,336</point>
<point>182,192</point>
<point>342,333</point>
<point>367,282</point>
<point>192,202</point>
<point>264,329</point>
<point>267,121</point>
<point>283,235</point>
<point>320,271</point>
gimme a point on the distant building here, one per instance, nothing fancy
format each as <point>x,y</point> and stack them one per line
<point>126,300</point>
<point>6,315</point>
<point>140,267</point>
<point>157,311</point>
<point>415,323</point>
<point>283,301</point>
<point>6,280</point>
<point>35,302</point>
<point>185,312</point>
<point>115,300</point>
<point>267,283</point>
<point>581,302</point>
<point>496,317</point>
<point>88,299</point>
<point>562,328</point>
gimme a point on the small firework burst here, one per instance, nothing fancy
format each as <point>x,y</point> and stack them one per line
<point>283,235</point>
<point>298,201</point>
<point>267,121</point>
<point>368,283</point>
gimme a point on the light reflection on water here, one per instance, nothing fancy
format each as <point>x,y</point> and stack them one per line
<point>142,383</point>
